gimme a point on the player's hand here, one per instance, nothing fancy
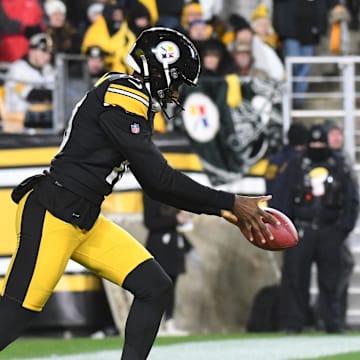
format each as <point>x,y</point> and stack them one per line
<point>248,217</point>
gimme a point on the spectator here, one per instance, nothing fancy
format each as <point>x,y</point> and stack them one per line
<point>152,7</point>
<point>199,32</point>
<point>244,62</point>
<point>335,138</point>
<point>93,12</point>
<point>29,84</point>
<point>322,200</point>
<point>64,36</point>
<point>138,17</point>
<point>246,8</point>
<point>19,19</point>
<point>339,17</point>
<point>297,137</point>
<point>111,32</point>
<point>95,60</point>
<point>169,13</point>
<point>169,246</point>
<point>265,58</point>
<point>354,10</point>
<point>262,26</point>
<point>215,58</point>
<point>211,10</point>
<point>243,58</point>
<point>300,25</point>
<point>76,11</point>
<point>191,12</point>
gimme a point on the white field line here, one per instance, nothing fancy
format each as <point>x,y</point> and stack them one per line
<point>284,348</point>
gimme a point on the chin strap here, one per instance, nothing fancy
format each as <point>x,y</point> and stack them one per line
<point>155,104</point>
<point>165,65</point>
<point>146,73</point>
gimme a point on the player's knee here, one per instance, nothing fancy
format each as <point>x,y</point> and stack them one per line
<point>162,287</point>
<point>149,281</point>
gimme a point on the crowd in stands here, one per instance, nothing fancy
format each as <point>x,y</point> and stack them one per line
<point>105,30</point>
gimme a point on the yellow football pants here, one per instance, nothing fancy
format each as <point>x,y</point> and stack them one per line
<point>46,243</point>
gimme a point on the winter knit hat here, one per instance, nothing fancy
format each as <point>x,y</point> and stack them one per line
<point>54,6</point>
<point>260,12</point>
<point>317,133</point>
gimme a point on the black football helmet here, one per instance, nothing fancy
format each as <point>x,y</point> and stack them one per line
<point>164,57</point>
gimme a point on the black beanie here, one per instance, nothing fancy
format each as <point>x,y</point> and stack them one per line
<point>238,22</point>
<point>318,133</point>
<point>298,134</point>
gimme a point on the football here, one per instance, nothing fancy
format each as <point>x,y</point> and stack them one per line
<point>285,234</point>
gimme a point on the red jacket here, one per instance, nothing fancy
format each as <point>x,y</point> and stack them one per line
<point>29,13</point>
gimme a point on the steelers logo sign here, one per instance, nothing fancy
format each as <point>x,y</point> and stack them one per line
<point>167,50</point>
<point>201,117</point>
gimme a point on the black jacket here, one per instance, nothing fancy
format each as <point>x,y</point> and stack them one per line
<point>302,20</point>
<point>165,243</point>
<point>338,205</point>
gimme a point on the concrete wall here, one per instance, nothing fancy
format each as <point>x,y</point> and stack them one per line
<point>215,295</point>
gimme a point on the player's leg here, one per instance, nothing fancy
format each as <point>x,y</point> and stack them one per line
<point>152,288</point>
<point>35,268</point>
<point>14,320</point>
<point>114,254</point>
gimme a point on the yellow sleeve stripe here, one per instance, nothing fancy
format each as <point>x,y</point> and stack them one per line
<point>130,90</point>
<point>127,100</point>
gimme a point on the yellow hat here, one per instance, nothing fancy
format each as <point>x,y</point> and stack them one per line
<point>192,7</point>
<point>259,12</point>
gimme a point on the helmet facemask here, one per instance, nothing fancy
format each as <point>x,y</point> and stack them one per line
<point>165,87</point>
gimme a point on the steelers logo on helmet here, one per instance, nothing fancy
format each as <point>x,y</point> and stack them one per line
<point>167,50</point>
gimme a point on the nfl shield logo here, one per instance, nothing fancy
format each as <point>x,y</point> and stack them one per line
<point>135,128</point>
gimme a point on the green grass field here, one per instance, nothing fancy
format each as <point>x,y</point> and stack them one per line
<point>221,347</point>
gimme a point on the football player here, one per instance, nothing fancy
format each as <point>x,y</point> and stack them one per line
<point>58,215</point>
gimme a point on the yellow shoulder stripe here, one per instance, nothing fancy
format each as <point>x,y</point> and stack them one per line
<point>129,99</point>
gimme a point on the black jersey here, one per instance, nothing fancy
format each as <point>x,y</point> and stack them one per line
<point>110,129</point>
<point>90,160</point>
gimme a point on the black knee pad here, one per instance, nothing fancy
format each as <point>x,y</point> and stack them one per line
<point>14,320</point>
<point>149,281</point>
